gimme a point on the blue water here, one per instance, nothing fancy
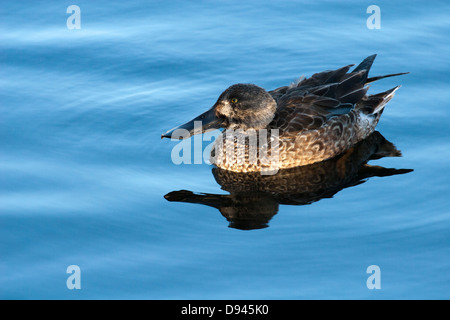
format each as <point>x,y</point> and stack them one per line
<point>83,171</point>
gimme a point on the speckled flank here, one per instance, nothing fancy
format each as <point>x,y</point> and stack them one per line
<point>331,139</point>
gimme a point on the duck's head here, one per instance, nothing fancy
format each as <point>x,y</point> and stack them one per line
<point>241,106</point>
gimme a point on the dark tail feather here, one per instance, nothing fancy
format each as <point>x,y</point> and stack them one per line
<point>366,64</point>
<point>375,103</point>
<point>372,79</point>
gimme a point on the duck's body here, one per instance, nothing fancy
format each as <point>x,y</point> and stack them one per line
<point>313,120</point>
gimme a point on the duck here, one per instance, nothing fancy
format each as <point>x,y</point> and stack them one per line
<point>311,120</point>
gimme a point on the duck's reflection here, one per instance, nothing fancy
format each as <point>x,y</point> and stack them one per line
<point>254,198</point>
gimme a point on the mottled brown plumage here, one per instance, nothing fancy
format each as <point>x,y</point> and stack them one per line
<point>313,120</point>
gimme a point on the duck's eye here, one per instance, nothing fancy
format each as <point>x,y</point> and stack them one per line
<point>234,100</point>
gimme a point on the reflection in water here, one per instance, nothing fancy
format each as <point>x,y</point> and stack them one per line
<point>254,198</point>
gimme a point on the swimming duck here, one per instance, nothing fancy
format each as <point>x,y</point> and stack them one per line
<point>312,120</point>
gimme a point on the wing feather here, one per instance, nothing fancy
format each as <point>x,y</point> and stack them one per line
<point>310,103</point>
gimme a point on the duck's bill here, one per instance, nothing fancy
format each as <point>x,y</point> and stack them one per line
<point>205,122</point>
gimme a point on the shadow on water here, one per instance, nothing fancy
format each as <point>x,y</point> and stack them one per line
<point>254,198</point>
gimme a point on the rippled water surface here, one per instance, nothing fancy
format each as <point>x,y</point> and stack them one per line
<point>83,171</point>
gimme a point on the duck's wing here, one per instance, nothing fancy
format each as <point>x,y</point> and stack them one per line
<point>308,104</point>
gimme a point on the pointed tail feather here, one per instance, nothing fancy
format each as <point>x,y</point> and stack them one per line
<point>372,79</point>
<point>366,64</point>
<point>374,104</point>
